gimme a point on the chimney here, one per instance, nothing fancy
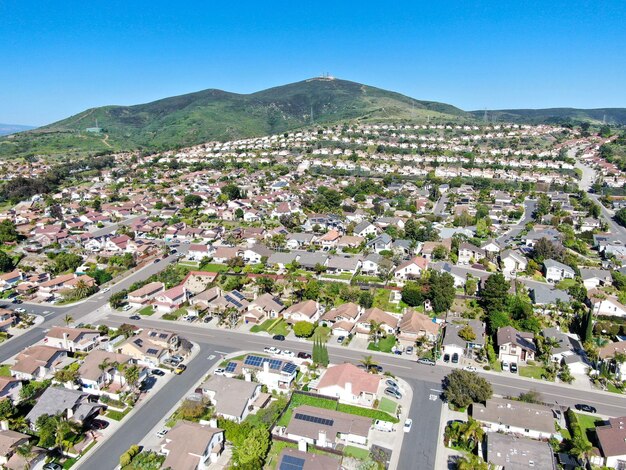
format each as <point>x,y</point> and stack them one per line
<point>266,367</point>
<point>4,425</point>
<point>321,439</point>
<point>213,423</point>
<point>248,377</point>
<point>302,445</point>
<point>348,388</point>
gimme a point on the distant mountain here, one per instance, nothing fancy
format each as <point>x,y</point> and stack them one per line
<point>6,129</point>
<point>614,116</point>
<point>219,115</point>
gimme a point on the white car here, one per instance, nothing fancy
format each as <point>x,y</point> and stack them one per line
<point>106,289</point>
<point>219,371</point>
<point>407,425</point>
<point>470,368</point>
<point>162,433</point>
<point>271,350</point>
<point>288,353</point>
<point>505,366</point>
<point>20,310</point>
<point>126,308</point>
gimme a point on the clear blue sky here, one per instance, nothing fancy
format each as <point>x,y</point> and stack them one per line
<point>61,57</point>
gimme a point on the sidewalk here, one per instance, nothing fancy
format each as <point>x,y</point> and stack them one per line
<point>445,455</point>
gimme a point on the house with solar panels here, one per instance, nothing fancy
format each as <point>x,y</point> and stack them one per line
<point>292,459</point>
<point>327,428</point>
<point>276,374</point>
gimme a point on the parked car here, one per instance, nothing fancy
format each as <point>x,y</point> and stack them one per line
<point>126,308</point>
<point>455,358</point>
<point>207,319</point>
<point>393,392</point>
<point>384,426</point>
<point>513,367</point>
<point>278,338</point>
<point>162,433</point>
<point>303,355</point>
<point>376,368</point>
<point>392,383</point>
<point>180,369</point>
<point>398,352</point>
<point>341,339</point>
<point>178,358</point>
<point>446,358</point>
<point>157,260</point>
<point>105,290</point>
<point>407,425</point>
<point>135,317</point>
<point>426,361</point>
<point>470,368</point>
<point>288,353</point>
<point>16,301</point>
<point>20,310</point>
<point>505,366</point>
<point>157,372</point>
<point>409,350</point>
<point>585,408</point>
<point>99,424</point>
<point>52,466</point>
<point>219,371</point>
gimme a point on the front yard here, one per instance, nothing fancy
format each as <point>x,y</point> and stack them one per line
<point>384,344</point>
<point>532,371</point>
<point>146,311</point>
<point>274,326</point>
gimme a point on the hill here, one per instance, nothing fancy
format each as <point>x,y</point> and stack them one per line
<point>614,116</point>
<point>6,129</point>
<point>219,115</point>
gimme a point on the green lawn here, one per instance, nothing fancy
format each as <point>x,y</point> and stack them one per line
<point>587,424</point>
<point>175,315</point>
<point>4,370</point>
<point>356,452</point>
<point>387,406</point>
<point>381,300</point>
<point>384,344</point>
<point>118,415</point>
<point>612,388</point>
<point>321,333</point>
<point>535,372</point>
<point>566,284</point>
<point>265,326</point>
<point>214,267</point>
<point>147,311</point>
<point>274,326</point>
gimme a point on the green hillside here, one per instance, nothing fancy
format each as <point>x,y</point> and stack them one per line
<point>613,116</point>
<point>218,115</point>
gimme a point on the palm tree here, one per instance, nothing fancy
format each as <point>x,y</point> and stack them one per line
<point>65,430</point>
<point>376,331</point>
<point>472,433</point>
<point>581,448</point>
<point>471,462</point>
<point>68,318</point>
<point>131,375</point>
<point>82,289</point>
<point>368,362</point>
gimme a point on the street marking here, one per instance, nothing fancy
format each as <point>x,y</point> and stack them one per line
<point>435,390</point>
<point>211,357</point>
<point>219,352</point>
<point>433,397</point>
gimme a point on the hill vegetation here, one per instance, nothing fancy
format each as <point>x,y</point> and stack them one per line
<point>615,116</point>
<point>207,115</point>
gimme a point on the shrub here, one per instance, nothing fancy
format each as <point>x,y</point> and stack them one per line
<point>303,329</point>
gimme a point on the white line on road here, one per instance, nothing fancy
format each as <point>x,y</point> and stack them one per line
<point>435,390</point>
<point>385,363</point>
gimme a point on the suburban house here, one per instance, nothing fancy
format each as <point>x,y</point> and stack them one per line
<point>365,229</point>
<point>100,379</point>
<point>198,281</point>
<point>612,444</point>
<point>453,344</point>
<point>192,446</point>
<point>291,459</point>
<point>143,295</point>
<point>381,243</point>
<point>73,404</point>
<point>603,304</point>
<point>150,347</point>
<point>371,264</point>
<point>566,345</point>
<point>411,269</point>
<point>298,240</point>
<point>10,458</point>
<point>512,261</point>
<point>327,428</point>
<point>415,326</point>
<point>515,417</point>
<point>264,306</point>
<point>309,310</point>
<point>171,299</point>
<point>233,399</point>
<point>593,278</point>
<point>7,319</point>
<point>37,362</point>
<point>543,296</point>
<point>469,253</point>
<point>10,388</point>
<point>8,280</point>
<point>607,354</point>
<point>341,319</point>
<point>72,339</point>
<point>255,254</point>
<point>510,452</point>
<point>198,251</point>
<point>388,322</point>
<point>515,346</point>
<point>343,264</point>
<point>275,374</point>
<point>554,271</point>
<point>349,384</point>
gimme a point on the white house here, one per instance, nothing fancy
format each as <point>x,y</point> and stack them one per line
<point>349,384</point>
<point>556,272</point>
<point>515,417</point>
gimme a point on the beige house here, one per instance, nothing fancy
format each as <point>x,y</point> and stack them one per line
<point>515,346</point>
<point>415,325</point>
<point>309,311</point>
<point>72,339</point>
<point>144,294</point>
<point>192,446</point>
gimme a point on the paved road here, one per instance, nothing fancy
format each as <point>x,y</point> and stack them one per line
<point>55,315</point>
<point>113,227</point>
<point>529,207</point>
<point>440,205</point>
<point>151,412</point>
<point>420,446</point>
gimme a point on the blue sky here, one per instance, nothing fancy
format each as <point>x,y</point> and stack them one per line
<point>61,57</point>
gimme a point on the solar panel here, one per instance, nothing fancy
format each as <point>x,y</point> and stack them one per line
<point>238,294</point>
<point>152,334</point>
<point>314,419</point>
<point>231,367</point>
<point>290,368</point>
<point>254,361</point>
<point>291,463</point>
<point>152,351</point>
<point>163,335</point>
<point>275,363</point>
<point>233,301</point>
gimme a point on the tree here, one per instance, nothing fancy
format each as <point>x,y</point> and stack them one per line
<point>366,299</point>
<point>193,409</point>
<point>26,452</point>
<point>368,362</point>
<point>471,462</point>
<point>545,249</point>
<point>8,232</point>
<point>376,331</point>
<point>100,276</point>
<point>467,333</point>
<point>66,375</point>
<point>303,329</point>
<point>66,262</point>
<point>127,330</point>
<point>231,191</point>
<point>462,388</point>
<point>131,375</point>
<point>265,284</point>
<point>312,290</point>
<point>192,200</point>
<point>251,452</point>
<point>239,213</point>
<point>117,300</point>
<point>6,263</point>
<point>7,409</point>
<point>620,217</point>
<point>440,252</point>
<point>67,319</point>
<point>493,297</point>
<point>441,291</point>
<point>413,294</point>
